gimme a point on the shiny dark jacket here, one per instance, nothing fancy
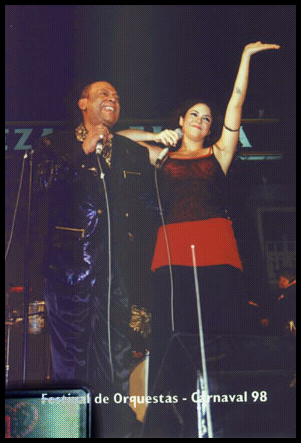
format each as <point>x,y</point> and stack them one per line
<point>82,324</point>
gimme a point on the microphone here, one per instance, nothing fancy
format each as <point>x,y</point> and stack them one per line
<point>179,132</point>
<point>163,154</point>
<point>99,146</point>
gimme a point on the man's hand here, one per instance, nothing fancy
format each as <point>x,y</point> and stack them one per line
<point>290,326</point>
<point>93,136</point>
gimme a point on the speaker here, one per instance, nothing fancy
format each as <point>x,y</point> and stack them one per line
<point>251,388</point>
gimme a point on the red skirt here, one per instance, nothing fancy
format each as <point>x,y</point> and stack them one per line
<point>213,239</point>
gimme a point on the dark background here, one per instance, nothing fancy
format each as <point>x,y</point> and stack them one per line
<point>156,56</point>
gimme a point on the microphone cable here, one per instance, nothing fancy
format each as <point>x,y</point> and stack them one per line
<point>167,249</point>
<point>102,177</point>
<point>159,163</point>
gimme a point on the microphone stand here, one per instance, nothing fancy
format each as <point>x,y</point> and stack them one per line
<point>26,273</point>
<point>9,317</point>
<point>204,379</point>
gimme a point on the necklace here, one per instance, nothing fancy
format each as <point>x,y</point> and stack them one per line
<point>81,133</point>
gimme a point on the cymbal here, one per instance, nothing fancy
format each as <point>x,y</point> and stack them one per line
<point>17,289</point>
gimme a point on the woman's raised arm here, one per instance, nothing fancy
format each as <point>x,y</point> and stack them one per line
<point>226,146</point>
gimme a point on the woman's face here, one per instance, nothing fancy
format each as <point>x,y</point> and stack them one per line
<point>197,121</point>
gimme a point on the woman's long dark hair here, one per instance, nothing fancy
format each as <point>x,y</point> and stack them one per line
<point>217,119</point>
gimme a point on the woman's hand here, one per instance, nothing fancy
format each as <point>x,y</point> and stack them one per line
<point>168,137</point>
<point>225,147</point>
<point>253,48</point>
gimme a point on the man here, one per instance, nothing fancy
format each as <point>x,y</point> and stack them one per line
<point>284,311</point>
<point>99,249</point>
<point>281,313</point>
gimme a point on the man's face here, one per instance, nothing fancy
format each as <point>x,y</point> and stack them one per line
<point>101,105</point>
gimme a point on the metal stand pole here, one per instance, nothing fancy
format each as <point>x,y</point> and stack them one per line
<point>202,347</point>
<point>26,273</point>
<point>7,356</point>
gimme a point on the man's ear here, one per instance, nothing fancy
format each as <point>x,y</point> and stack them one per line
<point>181,121</point>
<point>82,103</point>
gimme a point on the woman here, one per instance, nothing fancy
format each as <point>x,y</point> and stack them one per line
<point>191,188</point>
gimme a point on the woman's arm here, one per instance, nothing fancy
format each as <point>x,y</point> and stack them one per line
<point>167,137</point>
<point>225,148</point>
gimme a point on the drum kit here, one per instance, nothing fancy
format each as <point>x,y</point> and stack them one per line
<point>14,319</point>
